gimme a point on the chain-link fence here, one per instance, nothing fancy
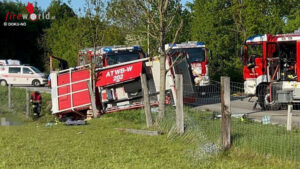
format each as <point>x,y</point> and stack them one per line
<point>13,100</point>
<point>15,103</point>
<point>253,127</point>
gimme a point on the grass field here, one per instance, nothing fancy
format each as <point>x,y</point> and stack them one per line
<point>100,145</point>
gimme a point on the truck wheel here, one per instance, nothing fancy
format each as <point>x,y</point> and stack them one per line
<point>36,83</point>
<point>261,93</point>
<point>264,99</point>
<point>3,83</point>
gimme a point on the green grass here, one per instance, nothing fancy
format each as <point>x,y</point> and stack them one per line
<point>100,145</point>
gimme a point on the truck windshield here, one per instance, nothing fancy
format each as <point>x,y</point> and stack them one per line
<point>255,49</point>
<point>121,57</point>
<point>35,69</point>
<point>194,54</point>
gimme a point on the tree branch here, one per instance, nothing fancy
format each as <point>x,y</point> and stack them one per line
<point>176,35</point>
<point>147,12</point>
<point>175,61</point>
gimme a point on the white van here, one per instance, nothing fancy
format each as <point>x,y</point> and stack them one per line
<point>21,75</point>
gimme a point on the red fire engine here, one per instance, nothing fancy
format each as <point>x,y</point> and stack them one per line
<point>116,81</point>
<point>272,69</point>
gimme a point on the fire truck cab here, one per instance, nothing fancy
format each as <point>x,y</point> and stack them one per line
<point>272,69</point>
<point>197,57</point>
<point>109,55</point>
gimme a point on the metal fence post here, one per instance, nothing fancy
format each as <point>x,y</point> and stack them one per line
<point>9,96</point>
<point>179,104</point>
<point>27,103</point>
<point>225,110</point>
<point>146,100</point>
<point>289,118</point>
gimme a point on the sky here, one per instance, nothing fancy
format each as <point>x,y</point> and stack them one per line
<point>75,4</point>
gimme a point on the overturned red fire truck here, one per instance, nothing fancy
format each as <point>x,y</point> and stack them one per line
<point>272,69</point>
<point>116,81</point>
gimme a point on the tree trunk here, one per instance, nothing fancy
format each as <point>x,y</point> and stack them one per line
<point>162,62</point>
<point>162,94</point>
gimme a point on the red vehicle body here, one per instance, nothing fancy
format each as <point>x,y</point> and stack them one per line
<point>70,92</point>
<point>117,83</point>
<point>272,68</point>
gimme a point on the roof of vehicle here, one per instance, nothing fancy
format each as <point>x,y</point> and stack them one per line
<point>9,62</point>
<point>189,44</point>
<point>109,49</point>
<point>274,38</point>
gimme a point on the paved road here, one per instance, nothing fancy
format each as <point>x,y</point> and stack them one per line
<point>245,106</point>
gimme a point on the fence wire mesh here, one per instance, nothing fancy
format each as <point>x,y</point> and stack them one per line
<point>253,127</point>
<point>18,103</point>
<point>17,100</point>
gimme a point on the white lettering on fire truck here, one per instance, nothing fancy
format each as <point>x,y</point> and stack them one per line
<point>118,74</point>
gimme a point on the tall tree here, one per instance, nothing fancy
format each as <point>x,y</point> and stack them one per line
<point>155,18</point>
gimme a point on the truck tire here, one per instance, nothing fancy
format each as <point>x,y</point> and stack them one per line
<point>36,83</point>
<point>3,83</point>
<point>263,96</point>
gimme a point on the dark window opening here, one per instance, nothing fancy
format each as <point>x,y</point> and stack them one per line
<point>121,57</point>
<point>194,54</point>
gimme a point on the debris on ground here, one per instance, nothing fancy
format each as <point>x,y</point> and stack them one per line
<point>75,122</point>
<point>142,132</point>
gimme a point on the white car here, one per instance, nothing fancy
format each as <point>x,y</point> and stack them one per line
<point>21,75</point>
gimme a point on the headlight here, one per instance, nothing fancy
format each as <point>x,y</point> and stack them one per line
<point>197,71</point>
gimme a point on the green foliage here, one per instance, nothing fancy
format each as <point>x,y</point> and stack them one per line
<point>60,10</point>
<point>70,34</point>
<point>134,22</point>
<point>293,20</point>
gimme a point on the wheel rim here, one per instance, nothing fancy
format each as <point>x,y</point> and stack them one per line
<point>3,83</point>
<point>36,83</point>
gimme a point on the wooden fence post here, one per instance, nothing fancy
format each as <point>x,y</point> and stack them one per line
<point>27,103</point>
<point>179,104</point>
<point>93,100</point>
<point>146,100</point>
<point>289,118</point>
<point>225,110</point>
<point>9,96</point>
